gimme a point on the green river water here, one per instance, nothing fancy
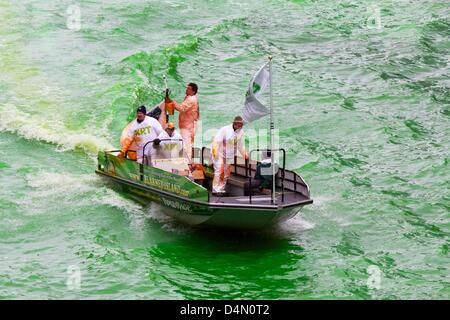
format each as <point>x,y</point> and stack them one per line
<point>362,104</point>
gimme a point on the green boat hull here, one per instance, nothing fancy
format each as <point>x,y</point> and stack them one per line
<point>187,201</point>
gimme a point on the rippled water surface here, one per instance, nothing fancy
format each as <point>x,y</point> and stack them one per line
<point>362,100</point>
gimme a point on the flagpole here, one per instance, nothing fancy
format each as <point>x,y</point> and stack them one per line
<point>165,110</point>
<point>271,131</point>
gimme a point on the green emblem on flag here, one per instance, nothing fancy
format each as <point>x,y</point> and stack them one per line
<point>256,87</point>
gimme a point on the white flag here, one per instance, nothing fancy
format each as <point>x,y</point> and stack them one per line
<point>254,109</point>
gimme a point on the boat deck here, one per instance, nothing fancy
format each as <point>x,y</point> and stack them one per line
<point>235,187</point>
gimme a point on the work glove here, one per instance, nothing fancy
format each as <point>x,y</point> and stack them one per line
<point>127,143</point>
<point>214,152</point>
<point>156,142</point>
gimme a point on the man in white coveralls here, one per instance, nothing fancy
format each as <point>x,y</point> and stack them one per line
<point>227,141</point>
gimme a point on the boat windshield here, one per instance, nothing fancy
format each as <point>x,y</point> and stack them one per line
<point>166,149</point>
<point>178,166</point>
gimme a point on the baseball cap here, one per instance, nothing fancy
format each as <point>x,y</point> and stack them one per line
<point>142,109</point>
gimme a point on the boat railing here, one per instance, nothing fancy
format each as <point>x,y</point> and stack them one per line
<point>202,155</point>
<point>248,168</point>
<point>290,179</point>
<point>274,176</point>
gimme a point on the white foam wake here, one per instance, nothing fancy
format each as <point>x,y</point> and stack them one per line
<point>53,189</point>
<point>35,127</point>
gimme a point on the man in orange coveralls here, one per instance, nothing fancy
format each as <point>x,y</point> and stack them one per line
<point>189,115</point>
